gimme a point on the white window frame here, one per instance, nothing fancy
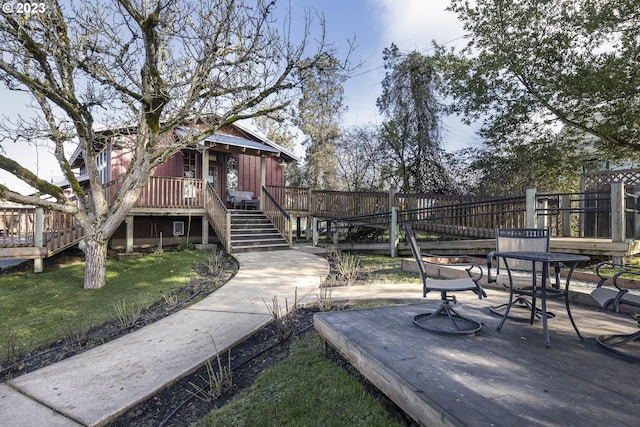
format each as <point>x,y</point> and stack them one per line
<point>178,228</point>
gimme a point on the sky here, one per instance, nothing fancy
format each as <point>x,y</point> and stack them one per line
<point>375,24</point>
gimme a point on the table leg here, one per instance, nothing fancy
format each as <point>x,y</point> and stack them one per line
<point>506,311</point>
<point>543,297</point>
<point>566,301</point>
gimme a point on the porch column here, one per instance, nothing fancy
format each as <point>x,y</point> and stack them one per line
<point>263,178</point>
<point>205,183</point>
<point>129,238</point>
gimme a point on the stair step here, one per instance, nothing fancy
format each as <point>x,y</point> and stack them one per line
<point>260,236</point>
<point>252,230</point>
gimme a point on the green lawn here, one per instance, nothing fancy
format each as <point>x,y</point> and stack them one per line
<point>305,389</point>
<point>35,309</point>
<point>382,269</point>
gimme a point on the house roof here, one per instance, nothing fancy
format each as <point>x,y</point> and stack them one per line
<point>225,142</point>
<point>222,142</point>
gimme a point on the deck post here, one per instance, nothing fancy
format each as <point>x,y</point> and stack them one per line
<point>531,219</point>
<point>617,215</point>
<point>38,238</point>
<point>129,245</point>
<point>310,217</point>
<point>393,232</point>
<point>314,230</point>
<point>228,233</point>
<point>617,212</point>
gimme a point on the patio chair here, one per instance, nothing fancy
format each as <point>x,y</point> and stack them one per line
<point>445,319</point>
<point>610,293</point>
<point>518,240</point>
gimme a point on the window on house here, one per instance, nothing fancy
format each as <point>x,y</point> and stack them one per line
<point>232,174</point>
<point>189,164</point>
<point>103,163</point>
<point>178,228</point>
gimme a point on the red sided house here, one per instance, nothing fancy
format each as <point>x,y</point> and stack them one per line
<point>213,192</point>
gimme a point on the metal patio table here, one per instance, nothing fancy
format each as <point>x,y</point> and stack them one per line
<point>542,291</point>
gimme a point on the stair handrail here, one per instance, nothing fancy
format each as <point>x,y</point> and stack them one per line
<point>278,215</point>
<point>219,217</point>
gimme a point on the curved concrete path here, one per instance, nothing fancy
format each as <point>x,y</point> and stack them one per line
<point>95,386</point>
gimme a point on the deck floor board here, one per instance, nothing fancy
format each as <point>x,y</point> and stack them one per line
<point>495,378</point>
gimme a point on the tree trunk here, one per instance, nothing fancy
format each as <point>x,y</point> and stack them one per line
<point>95,270</point>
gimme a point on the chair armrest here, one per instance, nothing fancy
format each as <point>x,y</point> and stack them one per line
<point>609,265</point>
<point>620,270</point>
<point>627,271</point>
<point>609,292</point>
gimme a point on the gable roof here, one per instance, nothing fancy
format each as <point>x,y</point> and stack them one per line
<point>221,141</point>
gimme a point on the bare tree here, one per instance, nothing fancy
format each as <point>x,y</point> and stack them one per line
<point>142,67</point>
<point>360,157</point>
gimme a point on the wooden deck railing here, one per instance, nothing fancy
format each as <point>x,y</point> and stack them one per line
<point>277,215</point>
<point>293,199</point>
<point>471,219</point>
<point>61,231</point>
<point>337,204</point>
<point>164,192</point>
<point>17,227</point>
<point>219,217</point>
<point>585,214</point>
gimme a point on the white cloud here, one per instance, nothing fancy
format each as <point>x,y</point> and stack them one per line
<point>413,24</point>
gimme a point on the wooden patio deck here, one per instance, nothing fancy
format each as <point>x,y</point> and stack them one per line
<point>505,378</point>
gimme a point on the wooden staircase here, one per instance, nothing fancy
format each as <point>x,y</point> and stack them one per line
<point>252,231</point>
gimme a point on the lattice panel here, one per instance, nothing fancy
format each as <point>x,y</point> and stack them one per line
<point>598,180</point>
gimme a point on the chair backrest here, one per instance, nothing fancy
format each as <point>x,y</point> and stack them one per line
<point>415,249</point>
<point>522,240</point>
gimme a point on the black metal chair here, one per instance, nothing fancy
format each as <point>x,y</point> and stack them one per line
<point>445,319</point>
<point>518,240</point>
<point>611,294</point>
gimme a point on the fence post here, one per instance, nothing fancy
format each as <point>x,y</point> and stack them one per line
<point>392,198</point>
<point>582,205</point>
<point>531,208</point>
<point>636,221</point>
<point>393,232</point>
<point>38,238</point>
<point>542,219</point>
<point>566,215</point>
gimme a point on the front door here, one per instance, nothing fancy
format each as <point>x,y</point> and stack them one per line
<point>213,176</point>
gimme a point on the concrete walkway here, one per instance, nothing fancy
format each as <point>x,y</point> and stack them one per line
<point>96,386</point>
